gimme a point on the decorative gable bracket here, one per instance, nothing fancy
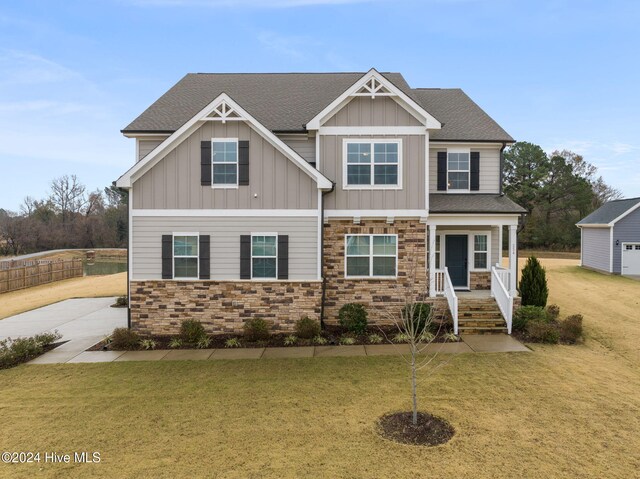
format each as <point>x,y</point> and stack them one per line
<point>373,88</point>
<point>223,112</point>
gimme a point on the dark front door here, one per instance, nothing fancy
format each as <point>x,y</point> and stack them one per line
<point>456,259</point>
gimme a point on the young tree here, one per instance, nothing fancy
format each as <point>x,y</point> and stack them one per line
<point>533,284</point>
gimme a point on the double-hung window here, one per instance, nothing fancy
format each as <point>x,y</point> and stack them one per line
<point>480,251</point>
<point>372,163</point>
<point>458,171</point>
<point>264,256</point>
<point>224,163</point>
<point>185,256</point>
<point>371,255</point>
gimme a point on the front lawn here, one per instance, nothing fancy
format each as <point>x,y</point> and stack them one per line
<point>561,411</point>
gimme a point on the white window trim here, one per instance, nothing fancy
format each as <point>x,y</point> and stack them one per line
<point>223,186</point>
<point>370,256</point>
<point>276,256</point>
<point>371,141</point>
<point>468,171</point>
<point>173,256</point>
<point>474,251</point>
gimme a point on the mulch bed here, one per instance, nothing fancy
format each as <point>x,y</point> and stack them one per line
<point>430,430</point>
<point>331,333</point>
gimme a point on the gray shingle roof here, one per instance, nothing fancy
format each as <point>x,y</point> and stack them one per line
<point>472,203</point>
<point>288,101</point>
<point>609,211</point>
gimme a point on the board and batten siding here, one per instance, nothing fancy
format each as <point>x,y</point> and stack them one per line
<point>596,248</point>
<point>225,243</point>
<point>146,146</point>
<point>489,166</point>
<point>275,182</point>
<point>381,111</point>
<point>412,194</point>
<point>627,230</point>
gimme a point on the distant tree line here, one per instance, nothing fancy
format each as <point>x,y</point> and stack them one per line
<point>68,217</point>
<point>558,190</point>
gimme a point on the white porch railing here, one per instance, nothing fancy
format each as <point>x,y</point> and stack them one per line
<point>445,287</point>
<point>499,281</point>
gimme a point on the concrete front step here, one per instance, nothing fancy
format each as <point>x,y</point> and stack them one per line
<point>480,316</point>
<point>489,315</point>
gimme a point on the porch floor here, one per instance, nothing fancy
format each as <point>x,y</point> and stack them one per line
<point>477,293</point>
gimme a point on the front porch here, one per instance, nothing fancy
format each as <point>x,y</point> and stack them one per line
<point>465,266</point>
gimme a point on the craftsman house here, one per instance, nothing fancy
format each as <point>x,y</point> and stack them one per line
<point>285,195</point>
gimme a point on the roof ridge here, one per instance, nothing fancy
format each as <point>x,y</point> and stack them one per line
<point>624,199</point>
<point>286,73</point>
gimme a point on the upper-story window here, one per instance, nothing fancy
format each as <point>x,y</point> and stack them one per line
<point>372,164</point>
<point>458,170</point>
<point>224,163</point>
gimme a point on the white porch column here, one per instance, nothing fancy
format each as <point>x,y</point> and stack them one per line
<point>513,264</point>
<point>500,233</point>
<point>432,260</point>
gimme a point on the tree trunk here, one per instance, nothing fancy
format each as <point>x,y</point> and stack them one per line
<point>414,384</point>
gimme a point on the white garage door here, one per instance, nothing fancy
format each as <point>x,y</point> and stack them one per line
<point>631,258</point>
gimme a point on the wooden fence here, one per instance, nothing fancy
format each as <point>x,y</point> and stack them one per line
<point>22,274</point>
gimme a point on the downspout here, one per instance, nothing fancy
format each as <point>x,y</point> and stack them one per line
<point>324,279</point>
<point>126,192</point>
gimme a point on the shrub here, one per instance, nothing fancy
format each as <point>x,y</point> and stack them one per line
<point>526,314</point>
<point>124,339</point>
<point>14,352</point>
<point>175,343</point>
<point>553,312</point>
<point>421,314</point>
<point>290,340</point>
<point>256,329</point>
<point>571,329</point>
<point>533,284</point>
<point>191,331</point>
<point>307,328</point>
<point>203,342</point>
<point>320,340</point>
<point>353,317</point>
<point>46,339</point>
<point>148,344</point>
<point>347,340</point>
<point>543,332</point>
<point>374,338</point>
<point>121,302</point>
<point>232,343</point>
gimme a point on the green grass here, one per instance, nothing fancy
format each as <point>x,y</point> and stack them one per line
<point>562,411</point>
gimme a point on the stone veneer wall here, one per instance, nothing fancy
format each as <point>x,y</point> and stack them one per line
<point>479,280</point>
<point>380,296</point>
<point>158,307</point>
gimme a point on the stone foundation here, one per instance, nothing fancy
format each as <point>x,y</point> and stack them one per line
<point>381,297</point>
<point>158,307</point>
<point>479,280</point>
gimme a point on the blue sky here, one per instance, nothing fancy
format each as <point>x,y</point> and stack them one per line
<point>563,74</point>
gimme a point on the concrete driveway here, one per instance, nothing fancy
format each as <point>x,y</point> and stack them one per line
<point>82,322</point>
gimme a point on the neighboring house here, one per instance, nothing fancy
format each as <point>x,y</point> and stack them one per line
<point>610,238</point>
<point>289,195</point>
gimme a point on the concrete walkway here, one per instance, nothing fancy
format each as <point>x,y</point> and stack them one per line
<point>81,322</point>
<point>469,344</point>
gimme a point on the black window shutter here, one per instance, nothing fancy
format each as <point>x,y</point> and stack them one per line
<point>205,163</point>
<point>245,257</point>
<point>243,162</point>
<point>475,171</point>
<point>442,171</point>
<point>205,257</point>
<point>283,257</point>
<point>167,256</point>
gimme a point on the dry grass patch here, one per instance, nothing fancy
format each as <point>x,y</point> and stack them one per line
<point>86,287</point>
<point>560,412</point>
